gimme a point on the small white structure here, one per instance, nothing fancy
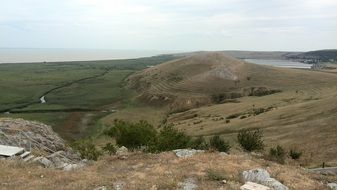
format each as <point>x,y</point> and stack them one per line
<point>9,151</point>
<point>253,186</point>
<point>42,100</point>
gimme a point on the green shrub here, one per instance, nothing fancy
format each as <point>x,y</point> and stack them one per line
<point>219,144</point>
<point>132,135</point>
<point>214,175</point>
<point>251,140</point>
<point>171,139</point>
<point>110,148</point>
<point>87,149</point>
<point>199,143</point>
<point>277,154</point>
<point>295,155</point>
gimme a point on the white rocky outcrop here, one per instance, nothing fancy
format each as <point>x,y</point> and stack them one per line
<point>184,153</point>
<point>332,186</point>
<point>253,186</point>
<point>122,151</point>
<point>261,176</point>
<point>188,184</point>
<point>50,149</point>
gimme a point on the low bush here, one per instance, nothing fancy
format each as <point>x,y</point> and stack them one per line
<point>251,140</point>
<point>110,149</point>
<point>87,149</point>
<point>199,143</point>
<point>143,135</point>
<point>295,155</point>
<point>132,135</point>
<point>219,144</point>
<point>170,139</point>
<point>277,154</point>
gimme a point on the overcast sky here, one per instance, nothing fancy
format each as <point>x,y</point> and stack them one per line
<point>169,24</point>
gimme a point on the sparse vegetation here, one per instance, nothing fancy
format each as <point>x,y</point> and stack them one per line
<point>143,135</point>
<point>277,154</point>
<point>199,143</point>
<point>251,140</point>
<point>220,98</point>
<point>258,111</point>
<point>132,135</point>
<point>110,149</point>
<point>170,139</point>
<point>214,175</point>
<point>87,149</point>
<point>219,144</point>
<point>294,154</point>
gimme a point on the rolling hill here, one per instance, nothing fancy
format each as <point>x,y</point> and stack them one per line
<point>210,77</point>
<point>212,93</point>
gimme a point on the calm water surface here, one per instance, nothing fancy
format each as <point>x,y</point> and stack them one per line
<point>280,63</point>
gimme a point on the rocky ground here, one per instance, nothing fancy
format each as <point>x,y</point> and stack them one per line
<point>203,170</point>
<point>44,145</point>
<point>57,166</point>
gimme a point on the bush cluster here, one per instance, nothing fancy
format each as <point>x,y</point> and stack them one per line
<point>87,149</point>
<point>295,155</point>
<point>132,135</point>
<point>219,144</point>
<point>144,135</point>
<point>277,154</point>
<point>251,140</point>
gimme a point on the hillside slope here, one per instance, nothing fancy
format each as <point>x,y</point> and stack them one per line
<point>212,93</point>
<point>196,80</point>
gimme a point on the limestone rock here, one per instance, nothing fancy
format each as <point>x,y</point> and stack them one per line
<point>119,186</point>
<point>122,151</point>
<point>101,188</point>
<point>188,184</point>
<point>223,154</point>
<point>332,186</point>
<point>253,186</point>
<point>44,162</point>
<point>261,176</point>
<point>41,138</point>
<point>184,153</point>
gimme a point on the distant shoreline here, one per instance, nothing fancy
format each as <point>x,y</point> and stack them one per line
<point>27,55</point>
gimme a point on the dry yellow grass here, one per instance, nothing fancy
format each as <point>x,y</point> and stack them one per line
<point>303,121</point>
<point>304,114</point>
<point>152,171</point>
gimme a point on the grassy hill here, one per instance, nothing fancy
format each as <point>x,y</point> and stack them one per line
<point>202,94</point>
<point>300,115</point>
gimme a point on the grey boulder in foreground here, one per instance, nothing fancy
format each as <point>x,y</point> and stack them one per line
<point>261,176</point>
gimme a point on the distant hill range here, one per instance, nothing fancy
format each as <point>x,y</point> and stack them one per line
<point>329,55</point>
<point>316,56</point>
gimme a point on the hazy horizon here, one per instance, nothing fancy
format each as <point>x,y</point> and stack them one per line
<point>28,55</point>
<point>179,25</point>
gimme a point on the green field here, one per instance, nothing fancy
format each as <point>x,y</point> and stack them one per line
<point>76,92</point>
